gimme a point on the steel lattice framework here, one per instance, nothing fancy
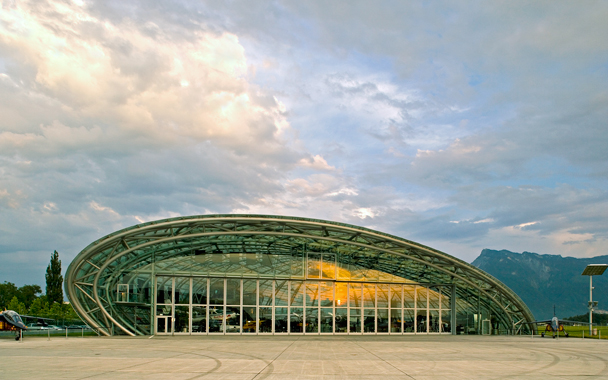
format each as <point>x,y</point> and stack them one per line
<point>92,276</point>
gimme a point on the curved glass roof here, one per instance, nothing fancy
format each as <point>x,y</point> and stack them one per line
<point>267,246</point>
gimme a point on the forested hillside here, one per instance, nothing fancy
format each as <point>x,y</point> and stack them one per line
<point>546,280</point>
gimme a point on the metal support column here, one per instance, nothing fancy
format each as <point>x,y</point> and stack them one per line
<point>153,295</point>
<point>593,270</point>
<point>453,307</point>
<point>590,305</point>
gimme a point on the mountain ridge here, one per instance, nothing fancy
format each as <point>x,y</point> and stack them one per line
<point>544,280</point>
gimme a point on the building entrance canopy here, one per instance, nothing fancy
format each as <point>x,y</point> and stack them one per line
<point>272,274</point>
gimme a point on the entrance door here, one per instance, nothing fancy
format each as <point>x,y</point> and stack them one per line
<point>163,324</point>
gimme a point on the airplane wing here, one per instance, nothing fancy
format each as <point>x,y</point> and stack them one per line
<point>31,316</point>
<point>577,322</point>
<point>543,321</point>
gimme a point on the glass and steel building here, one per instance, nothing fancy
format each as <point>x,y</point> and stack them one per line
<point>261,274</point>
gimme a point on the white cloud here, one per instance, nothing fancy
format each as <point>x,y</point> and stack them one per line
<point>315,162</point>
<point>97,207</point>
<point>364,212</point>
<point>403,116</point>
<point>141,87</point>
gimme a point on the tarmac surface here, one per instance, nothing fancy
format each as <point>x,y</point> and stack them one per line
<point>304,357</point>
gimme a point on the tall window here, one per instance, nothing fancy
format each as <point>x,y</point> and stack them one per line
<point>321,266</point>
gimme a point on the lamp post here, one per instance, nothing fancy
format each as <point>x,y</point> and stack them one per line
<point>593,270</point>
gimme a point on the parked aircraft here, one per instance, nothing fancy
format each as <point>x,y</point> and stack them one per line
<point>11,321</point>
<point>555,325</point>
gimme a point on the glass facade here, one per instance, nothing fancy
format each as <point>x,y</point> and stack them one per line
<point>212,305</point>
<point>251,274</point>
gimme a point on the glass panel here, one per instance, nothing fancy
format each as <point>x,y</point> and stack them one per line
<point>233,319</point>
<point>296,320</point>
<point>265,319</point>
<point>199,291</point>
<point>164,310</point>
<point>297,264</point>
<point>395,320</point>
<point>249,292</point>
<point>396,296</point>
<point>282,265</point>
<point>164,290</point>
<point>122,293</point>
<point>141,316</point>
<point>446,321</point>
<point>182,290</point>
<point>248,319</point>
<point>281,295</point>
<point>239,264</point>
<point>341,320</point>
<point>312,320</point>
<point>216,291</point>
<point>434,321</point>
<point>343,272</point>
<point>387,277</point>
<point>314,265</point>
<point>327,293</point>
<point>466,316</point>
<point>144,290</point>
<point>329,266</point>
<point>280,320</point>
<point>382,320</point>
<point>182,319</point>
<point>369,322</point>
<point>216,319</point>
<point>355,295</point>
<point>382,293</point>
<point>162,325</point>
<point>312,294</point>
<point>371,275</point>
<point>355,321</point>
<point>369,296</point>
<point>434,298</point>
<point>409,297</point>
<point>422,295</point>
<point>252,260</point>
<point>265,297</point>
<point>446,303</point>
<point>233,292</point>
<point>297,293</point>
<point>327,320</point>
<point>421,324</point>
<point>409,321</point>
<point>357,272</point>
<point>341,294</point>
<point>199,319</point>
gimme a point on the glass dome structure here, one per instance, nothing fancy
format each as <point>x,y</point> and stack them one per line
<point>264,274</point>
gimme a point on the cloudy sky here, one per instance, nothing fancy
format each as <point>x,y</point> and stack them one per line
<point>460,125</point>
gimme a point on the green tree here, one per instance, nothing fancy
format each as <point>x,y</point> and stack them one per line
<point>17,306</point>
<point>39,308</point>
<point>25,294</point>
<point>56,312</point>
<point>54,280</point>
<point>28,293</point>
<point>8,290</point>
<point>69,313</point>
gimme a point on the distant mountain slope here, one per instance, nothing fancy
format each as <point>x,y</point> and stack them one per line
<point>546,280</point>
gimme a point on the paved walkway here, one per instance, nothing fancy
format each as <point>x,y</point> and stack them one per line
<point>304,357</point>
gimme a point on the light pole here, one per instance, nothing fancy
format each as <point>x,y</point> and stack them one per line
<point>593,270</point>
